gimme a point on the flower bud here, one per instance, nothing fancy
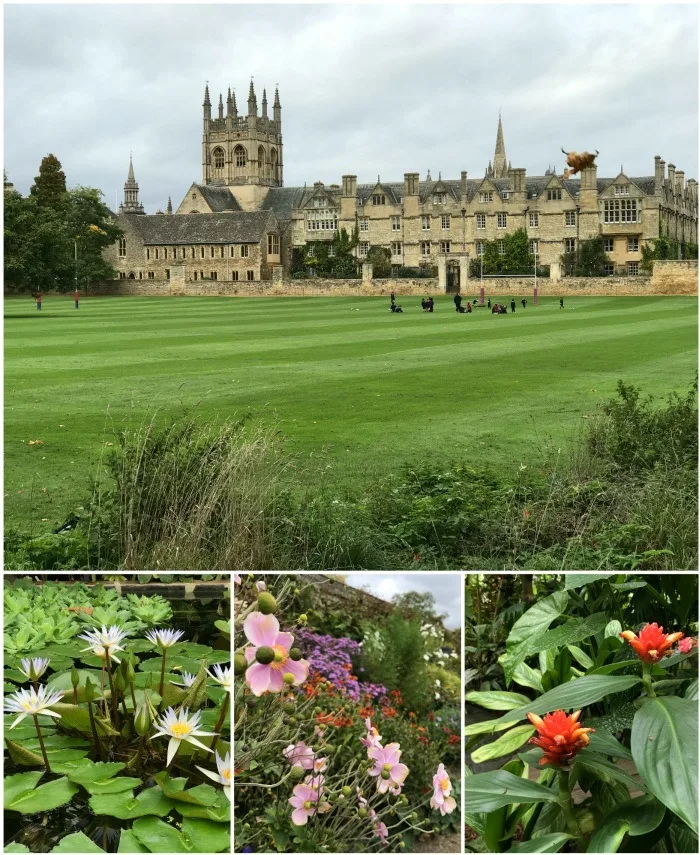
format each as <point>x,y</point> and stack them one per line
<point>126,730</point>
<point>362,812</point>
<point>240,663</point>
<point>402,845</point>
<point>265,655</point>
<point>414,816</point>
<point>130,673</point>
<point>289,706</point>
<point>291,720</point>
<point>119,683</point>
<point>297,773</point>
<point>346,791</point>
<point>142,722</point>
<point>296,592</point>
<point>288,679</point>
<point>89,691</point>
<point>267,603</point>
<point>295,654</point>
<point>74,678</point>
<point>303,619</point>
<point>386,774</point>
<point>330,749</point>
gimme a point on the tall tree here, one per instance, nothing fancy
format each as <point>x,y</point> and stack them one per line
<point>90,227</point>
<point>49,188</point>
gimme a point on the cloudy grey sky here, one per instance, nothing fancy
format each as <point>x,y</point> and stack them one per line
<point>364,89</point>
<point>445,587</point>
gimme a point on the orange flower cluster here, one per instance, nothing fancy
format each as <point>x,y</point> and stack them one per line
<point>561,736</point>
<point>652,643</point>
<point>335,719</point>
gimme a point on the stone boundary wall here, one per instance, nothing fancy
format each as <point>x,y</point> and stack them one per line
<point>676,277</point>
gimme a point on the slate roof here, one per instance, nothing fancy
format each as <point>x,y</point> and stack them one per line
<point>234,227</point>
<point>282,201</point>
<point>218,198</point>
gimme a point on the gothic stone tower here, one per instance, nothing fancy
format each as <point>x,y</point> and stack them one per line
<point>500,166</point>
<point>131,204</point>
<point>243,152</point>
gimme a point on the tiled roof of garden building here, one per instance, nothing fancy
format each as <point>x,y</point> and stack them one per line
<point>218,198</point>
<point>234,227</point>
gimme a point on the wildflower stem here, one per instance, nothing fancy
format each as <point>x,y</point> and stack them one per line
<point>646,679</point>
<point>41,742</point>
<point>98,744</point>
<point>220,723</point>
<point>565,803</point>
<point>162,673</point>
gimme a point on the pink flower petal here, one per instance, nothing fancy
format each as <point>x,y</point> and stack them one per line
<point>258,678</point>
<point>286,639</point>
<point>249,653</point>
<point>398,773</point>
<point>300,816</point>
<point>299,669</point>
<point>261,630</point>
<point>277,684</point>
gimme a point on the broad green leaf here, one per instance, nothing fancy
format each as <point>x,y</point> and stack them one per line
<point>129,842</point>
<point>528,628</point>
<point>492,790</point>
<point>617,720</point>
<point>16,847</point>
<point>606,771</point>
<point>79,718</point>
<point>61,682</point>
<point>16,784</point>
<point>173,695</point>
<point>484,727</point>
<point>206,836</point>
<point>506,744</point>
<point>46,797</point>
<point>683,838</point>
<point>524,675</point>
<point>497,700</point>
<point>578,580</point>
<point>613,629</point>
<point>629,586</point>
<point>570,632</point>
<point>583,659</point>
<point>158,836</point>
<point>22,756</point>
<point>220,811</point>
<point>197,692</point>
<point>494,828</point>
<point>77,842</point>
<point>125,806</point>
<point>86,771</point>
<point>545,843</point>
<point>691,693</point>
<point>605,743</point>
<point>174,788</point>
<point>574,695</point>
<point>634,817</point>
<point>112,785</point>
<point>665,750</point>
<point>609,836</point>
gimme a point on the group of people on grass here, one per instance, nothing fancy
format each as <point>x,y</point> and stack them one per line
<point>428,305</point>
<point>76,299</point>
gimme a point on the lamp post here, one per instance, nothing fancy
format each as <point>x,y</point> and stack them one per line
<point>75,248</point>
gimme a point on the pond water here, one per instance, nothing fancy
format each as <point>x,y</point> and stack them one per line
<point>40,832</point>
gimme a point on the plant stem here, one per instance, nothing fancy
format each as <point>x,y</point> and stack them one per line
<point>646,679</point>
<point>75,694</point>
<point>41,742</point>
<point>162,673</point>
<point>565,803</point>
<point>113,698</point>
<point>133,697</point>
<point>98,744</point>
<point>102,688</point>
<point>220,723</point>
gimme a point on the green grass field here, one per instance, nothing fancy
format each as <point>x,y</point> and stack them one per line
<point>357,390</point>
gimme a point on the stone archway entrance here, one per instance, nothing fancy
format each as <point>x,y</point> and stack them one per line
<point>453,278</point>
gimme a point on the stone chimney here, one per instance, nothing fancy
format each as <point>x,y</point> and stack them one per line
<point>672,176</point>
<point>463,184</point>
<point>659,166</point>
<point>680,181</point>
<point>410,184</point>
<point>349,185</point>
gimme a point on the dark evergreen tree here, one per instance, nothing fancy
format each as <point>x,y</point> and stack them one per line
<point>49,188</point>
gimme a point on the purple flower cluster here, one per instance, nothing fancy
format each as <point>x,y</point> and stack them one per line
<point>332,659</point>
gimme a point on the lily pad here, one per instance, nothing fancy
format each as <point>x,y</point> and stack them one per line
<point>43,798</point>
<point>220,811</point>
<point>125,806</point>
<point>86,771</point>
<point>129,842</point>
<point>16,784</point>
<point>174,788</point>
<point>158,836</point>
<point>78,843</point>
<point>206,836</point>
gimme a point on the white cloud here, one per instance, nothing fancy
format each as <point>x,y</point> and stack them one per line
<point>445,587</point>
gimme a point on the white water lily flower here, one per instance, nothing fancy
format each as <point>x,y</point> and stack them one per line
<point>100,652</point>
<point>222,676</point>
<point>30,702</point>
<point>187,680</point>
<point>180,728</point>
<point>164,637</point>
<point>224,773</point>
<point>34,668</point>
<point>106,638</point>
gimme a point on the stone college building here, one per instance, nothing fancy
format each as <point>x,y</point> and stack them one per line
<point>241,222</point>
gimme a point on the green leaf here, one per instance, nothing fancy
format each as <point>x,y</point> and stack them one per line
<point>578,580</point>
<point>524,675</point>
<point>22,756</point>
<point>545,843</point>
<point>16,847</point>
<point>665,750</point>
<point>507,743</point>
<point>613,629</point>
<point>79,718</point>
<point>691,693</point>
<point>574,695</point>
<point>605,743</point>
<point>609,836</point>
<point>125,806</point>
<point>683,838</point>
<point>197,692</point>
<point>485,727</point>
<point>77,842</point>
<point>634,817</point>
<point>527,630</point>
<point>492,790</point>
<point>16,784</point>
<point>174,788</point>
<point>129,842</point>
<point>583,659</point>
<point>206,836</point>
<point>86,771</point>
<point>497,700</point>
<point>43,798</point>
<point>220,811</point>
<point>606,771</point>
<point>173,695</point>
<point>618,719</point>
<point>570,632</point>
<point>158,836</point>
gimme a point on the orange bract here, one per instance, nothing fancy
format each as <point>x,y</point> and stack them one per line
<point>652,643</point>
<point>561,736</point>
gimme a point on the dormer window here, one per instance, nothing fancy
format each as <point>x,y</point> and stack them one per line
<point>486,197</point>
<point>378,199</point>
<point>622,189</point>
<point>439,198</point>
<point>506,194</point>
<point>554,194</point>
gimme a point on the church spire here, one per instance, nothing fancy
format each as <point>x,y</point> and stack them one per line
<point>500,164</point>
<point>229,103</point>
<point>277,107</point>
<point>252,100</point>
<point>169,209</point>
<point>221,106</point>
<point>131,203</point>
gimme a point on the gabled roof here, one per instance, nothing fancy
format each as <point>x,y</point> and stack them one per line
<point>218,198</point>
<point>283,201</point>
<point>234,227</point>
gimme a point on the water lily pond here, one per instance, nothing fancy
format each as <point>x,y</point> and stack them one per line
<point>117,717</point>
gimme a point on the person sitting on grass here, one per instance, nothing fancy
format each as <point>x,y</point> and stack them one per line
<point>469,307</point>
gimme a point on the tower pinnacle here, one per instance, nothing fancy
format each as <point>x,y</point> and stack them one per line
<point>500,164</point>
<point>264,104</point>
<point>131,204</point>
<point>252,100</point>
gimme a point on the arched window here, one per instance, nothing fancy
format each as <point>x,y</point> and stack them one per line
<point>218,157</point>
<point>261,162</point>
<point>240,157</point>
<point>131,276</point>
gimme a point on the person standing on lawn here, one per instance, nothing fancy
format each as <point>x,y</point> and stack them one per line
<point>76,299</point>
<point>38,301</point>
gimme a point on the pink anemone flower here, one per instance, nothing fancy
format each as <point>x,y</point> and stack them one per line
<point>389,772</point>
<point>442,787</point>
<point>300,754</point>
<point>373,739</point>
<point>382,832</point>
<point>305,803</point>
<point>264,631</point>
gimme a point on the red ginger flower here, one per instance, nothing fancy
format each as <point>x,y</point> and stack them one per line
<point>652,643</point>
<point>561,736</point>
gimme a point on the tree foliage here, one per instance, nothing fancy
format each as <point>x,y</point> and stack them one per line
<point>43,229</point>
<point>666,248</point>
<point>589,260</point>
<point>333,259</point>
<point>515,259</point>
